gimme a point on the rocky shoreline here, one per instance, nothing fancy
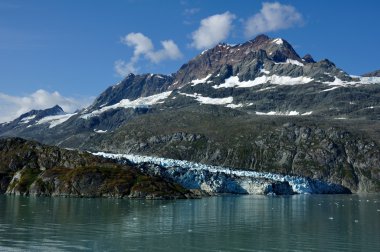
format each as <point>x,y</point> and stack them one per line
<point>30,168</point>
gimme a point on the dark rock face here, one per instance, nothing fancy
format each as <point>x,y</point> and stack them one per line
<point>30,168</point>
<point>133,87</point>
<point>308,58</point>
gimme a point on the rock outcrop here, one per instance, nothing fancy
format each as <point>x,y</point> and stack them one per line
<point>30,168</point>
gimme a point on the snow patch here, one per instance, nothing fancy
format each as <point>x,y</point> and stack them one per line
<point>264,89</point>
<point>361,80</point>
<point>233,81</point>
<point>55,119</point>
<point>290,61</point>
<point>100,131</point>
<point>27,119</point>
<point>199,81</point>
<point>117,84</point>
<point>141,102</point>
<point>286,113</point>
<point>240,105</point>
<point>156,75</point>
<point>329,89</point>
<point>208,100</point>
<point>262,70</point>
<point>307,113</point>
<point>203,52</point>
<point>278,41</point>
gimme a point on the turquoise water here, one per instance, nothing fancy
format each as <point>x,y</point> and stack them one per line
<point>225,223</point>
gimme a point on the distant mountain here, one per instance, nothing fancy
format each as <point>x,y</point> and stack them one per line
<point>46,118</point>
<point>228,106</point>
<point>372,74</point>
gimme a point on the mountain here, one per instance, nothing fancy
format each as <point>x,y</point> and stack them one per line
<point>46,118</point>
<point>372,74</point>
<point>133,87</point>
<point>256,105</point>
<point>259,57</point>
<point>30,168</point>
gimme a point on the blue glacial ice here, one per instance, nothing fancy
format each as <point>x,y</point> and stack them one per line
<point>220,179</point>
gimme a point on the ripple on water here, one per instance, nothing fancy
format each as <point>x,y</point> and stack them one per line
<point>228,223</point>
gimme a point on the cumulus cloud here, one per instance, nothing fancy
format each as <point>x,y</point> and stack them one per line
<point>123,68</point>
<point>170,51</point>
<point>212,30</point>
<point>143,47</point>
<point>272,17</point>
<point>12,107</point>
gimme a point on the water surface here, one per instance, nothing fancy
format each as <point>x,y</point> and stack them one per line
<point>226,223</point>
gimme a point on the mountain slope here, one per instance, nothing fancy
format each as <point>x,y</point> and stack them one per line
<point>334,151</point>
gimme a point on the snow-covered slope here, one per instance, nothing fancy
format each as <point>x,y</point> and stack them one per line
<point>50,117</point>
<point>53,120</point>
<point>142,102</point>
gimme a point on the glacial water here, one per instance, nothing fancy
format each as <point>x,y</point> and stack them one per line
<point>223,223</point>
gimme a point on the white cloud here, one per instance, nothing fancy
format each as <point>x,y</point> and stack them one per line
<point>170,51</point>
<point>191,11</point>
<point>141,43</point>
<point>12,107</point>
<point>123,68</point>
<point>272,17</point>
<point>143,47</point>
<point>212,30</point>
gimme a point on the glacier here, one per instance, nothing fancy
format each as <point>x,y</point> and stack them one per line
<point>219,179</point>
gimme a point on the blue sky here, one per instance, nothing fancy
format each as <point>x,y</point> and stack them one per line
<point>66,51</point>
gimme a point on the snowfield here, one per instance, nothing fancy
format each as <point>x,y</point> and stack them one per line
<point>199,81</point>
<point>141,102</point>
<point>233,81</point>
<point>55,120</point>
<point>361,80</point>
<point>208,100</point>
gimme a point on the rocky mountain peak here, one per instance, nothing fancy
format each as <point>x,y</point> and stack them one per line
<point>256,51</point>
<point>262,38</point>
<point>133,87</point>
<point>38,114</point>
<point>278,49</point>
<point>308,58</point>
